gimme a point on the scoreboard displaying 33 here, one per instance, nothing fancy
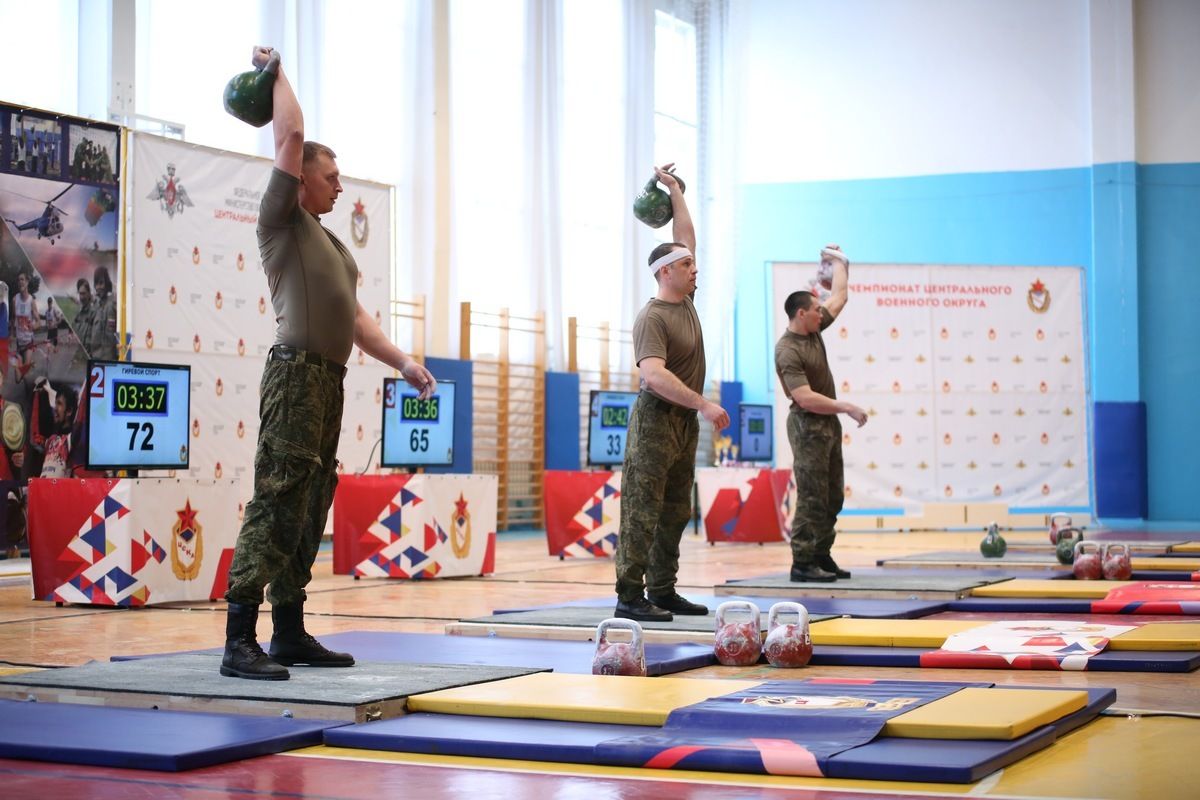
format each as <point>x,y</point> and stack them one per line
<point>608,419</point>
<point>416,432</point>
<point>757,433</point>
<point>138,415</point>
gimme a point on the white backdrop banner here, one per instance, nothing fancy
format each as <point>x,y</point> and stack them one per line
<point>198,294</point>
<point>974,379</point>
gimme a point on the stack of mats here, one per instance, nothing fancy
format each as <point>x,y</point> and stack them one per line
<point>877,730</point>
<point>1161,567</point>
<point>1084,597</point>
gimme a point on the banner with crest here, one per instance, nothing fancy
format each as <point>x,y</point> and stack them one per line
<point>198,294</point>
<point>415,526</point>
<point>745,504</point>
<point>974,380</point>
<point>583,512</point>
<point>122,542</point>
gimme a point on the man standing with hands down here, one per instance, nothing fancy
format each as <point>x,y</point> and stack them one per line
<point>313,279</point>
<point>813,429</point>
<point>660,451</point>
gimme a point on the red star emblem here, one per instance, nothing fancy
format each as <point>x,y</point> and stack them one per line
<point>359,208</point>
<point>460,506</point>
<point>187,517</point>
<point>1038,286</point>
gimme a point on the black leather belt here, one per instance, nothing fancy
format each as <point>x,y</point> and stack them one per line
<point>283,352</point>
<point>663,405</point>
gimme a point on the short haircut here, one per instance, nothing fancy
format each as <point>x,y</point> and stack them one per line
<point>660,251</point>
<point>314,149</point>
<point>100,277</point>
<point>82,283</point>
<point>797,301</point>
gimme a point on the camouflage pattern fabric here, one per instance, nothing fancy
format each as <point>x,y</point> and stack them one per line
<point>816,441</point>
<point>295,474</point>
<point>656,496</point>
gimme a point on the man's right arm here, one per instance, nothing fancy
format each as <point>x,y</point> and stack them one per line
<point>287,120</point>
<point>667,385</point>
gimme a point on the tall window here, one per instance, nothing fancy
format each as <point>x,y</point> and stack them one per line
<point>39,65</point>
<point>676,114</point>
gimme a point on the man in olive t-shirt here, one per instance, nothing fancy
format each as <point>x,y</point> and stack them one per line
<point>313,280</point>
<point>812,424</point>
<point>660,449</point>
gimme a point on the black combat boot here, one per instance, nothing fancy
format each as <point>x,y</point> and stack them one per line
<point>292,645</point>
<point>243,657</point>
<point>825,561</point>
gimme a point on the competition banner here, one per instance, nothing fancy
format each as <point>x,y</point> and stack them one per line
<point>973,378</point>
<point>131,542</point>
<point>415,526</point>
<point>744,504</point>
<point>59,192</point>
<point>199,294</point>
<point>582,511</point>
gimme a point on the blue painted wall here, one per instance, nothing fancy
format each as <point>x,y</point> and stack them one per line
<point>1109,219</point>
<point>562,420</point>
<point>463,374</point>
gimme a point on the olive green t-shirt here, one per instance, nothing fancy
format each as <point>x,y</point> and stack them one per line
<point>801,361</point>
<point>671,331</point>
<point>313,277</point>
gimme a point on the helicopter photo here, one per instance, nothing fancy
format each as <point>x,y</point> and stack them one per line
<point>49,225</point>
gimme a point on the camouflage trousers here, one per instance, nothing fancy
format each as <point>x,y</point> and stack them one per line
<point>295,474</point>
<point>656,495</point>
<point>816,441</point>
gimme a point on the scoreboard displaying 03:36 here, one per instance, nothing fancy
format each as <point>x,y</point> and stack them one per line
<point>416,432</point>
<point>138,415</point>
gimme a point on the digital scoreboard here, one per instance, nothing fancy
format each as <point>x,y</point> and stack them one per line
<point>416,432</point>
<point>757,433</point>
<point>138,415</point>
<point>608,419</point>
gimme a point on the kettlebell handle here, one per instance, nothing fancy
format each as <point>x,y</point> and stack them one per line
<point>1057,515</point>
<point>1079,546</point>
<point>787,607</point>
<point>630,625</point>
<point>738,605</point>
<point>1116,548</point>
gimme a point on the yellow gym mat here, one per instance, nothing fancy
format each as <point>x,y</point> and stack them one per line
<point>978,713</point>
<point>1159,636</point>
<point>1031,587</point>
<point>1150,564</point>
<point>578,698</point>
<point>889,632</point>
<point>1186,547</point>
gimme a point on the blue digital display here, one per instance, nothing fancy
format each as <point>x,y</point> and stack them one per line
<point>416,432</point>
<point>138,415</point>
<point>608,418</point>
<point>757,433</point>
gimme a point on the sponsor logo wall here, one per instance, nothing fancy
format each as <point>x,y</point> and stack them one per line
<point>198,294</point>
<point>974,379</point>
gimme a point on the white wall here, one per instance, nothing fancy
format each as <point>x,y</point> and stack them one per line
<point>871,88</point>
<point>1167,39</point>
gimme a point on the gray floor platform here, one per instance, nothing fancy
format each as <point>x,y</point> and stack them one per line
<point>366,691</point>
<point>900,585</point>
<point>579,623</point>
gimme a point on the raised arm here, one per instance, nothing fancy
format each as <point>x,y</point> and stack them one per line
<point>840,290</point>
<point>287,120</point>
<point>682,230</point>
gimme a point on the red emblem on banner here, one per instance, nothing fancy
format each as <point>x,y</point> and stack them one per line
<point>1045,438</point>
<point>996,490</point>
<point>896,386</point>
<point>1041,334</point>
<point>1045,488</point>
<point>949,491</point>
<point>241,511</point>
<point>1038,297</point>
<point>894,333</point>
<point>843,333</point>
<point>360,279</point>
<point>896,440</point>
<point>241,347</point>
<point>378,396</point>
<point>945,334</point>
<point>995,438</point>
<point>995,387</point>
<point>845,386</point>
<point>262,304</point>
<point>217,471</point>
<point>195,427</point>
<point>241,429</point>
<point>992,334</point>
<point>241,262</point>
<point>1043,388</point>
<point>845,438</point>
<point>220,387</point>
<point>172,296</point>
<point>149,339</point>
<point>362,358</point>
<point>846,492</point>
<point>196,255</point>
<point>218,300</point>
<point>149,249</point>
<point>947,439</point>
<point>196,343</point>
<point>358,434</point>
<point>945,387</point>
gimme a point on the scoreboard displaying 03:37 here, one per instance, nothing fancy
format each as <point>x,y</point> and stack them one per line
<point>138,415</point>
<point>416,432</point>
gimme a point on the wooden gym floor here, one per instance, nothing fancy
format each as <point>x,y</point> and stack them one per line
<point>1133,754</point>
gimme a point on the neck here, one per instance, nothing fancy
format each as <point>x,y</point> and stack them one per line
<point>797,327</point>
<point>669,295</point>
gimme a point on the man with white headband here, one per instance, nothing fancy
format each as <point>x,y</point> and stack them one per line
<point>813,429</point>
<point>660,451</point>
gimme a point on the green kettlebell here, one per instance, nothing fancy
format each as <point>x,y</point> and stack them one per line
<point>248,96</point>
<point>993,545</point>
<point>653,205</point>
<point>1064,551</point>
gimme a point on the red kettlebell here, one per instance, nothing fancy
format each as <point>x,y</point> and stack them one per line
<point>738,644</point>
<point>619,658</point>
<point>788,644</point>
<point>1087,565</point>
<point>1059,520</point>
<point>1118,566</point>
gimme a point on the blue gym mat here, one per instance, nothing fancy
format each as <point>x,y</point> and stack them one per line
<point>432,648</point>
<point>837,606</point>
<point>136,738</point>
<point>935,760</point>
<point>1107,661</point>
<point>1043,605</point>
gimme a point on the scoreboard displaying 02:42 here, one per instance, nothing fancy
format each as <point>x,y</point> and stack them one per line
<point>138,415</point>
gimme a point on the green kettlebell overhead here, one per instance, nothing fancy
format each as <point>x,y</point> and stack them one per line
<point>248,95</point>
<point>653,205</point>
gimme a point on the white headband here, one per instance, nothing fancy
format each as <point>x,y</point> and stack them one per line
<point>670,258</point>
<point>835,252</point>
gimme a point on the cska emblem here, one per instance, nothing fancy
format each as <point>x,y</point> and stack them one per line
<point>196,256</point>
<point>187,550</point>
<point>1038,297</point>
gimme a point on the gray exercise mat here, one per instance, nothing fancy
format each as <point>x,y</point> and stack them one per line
<point>899,582</point>
<point>198,676</point>
<point>584,617</point>
<point>1043,558</point>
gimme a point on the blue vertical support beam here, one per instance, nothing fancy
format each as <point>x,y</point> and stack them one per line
<point>731,396</point>
<point>562,420</point>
